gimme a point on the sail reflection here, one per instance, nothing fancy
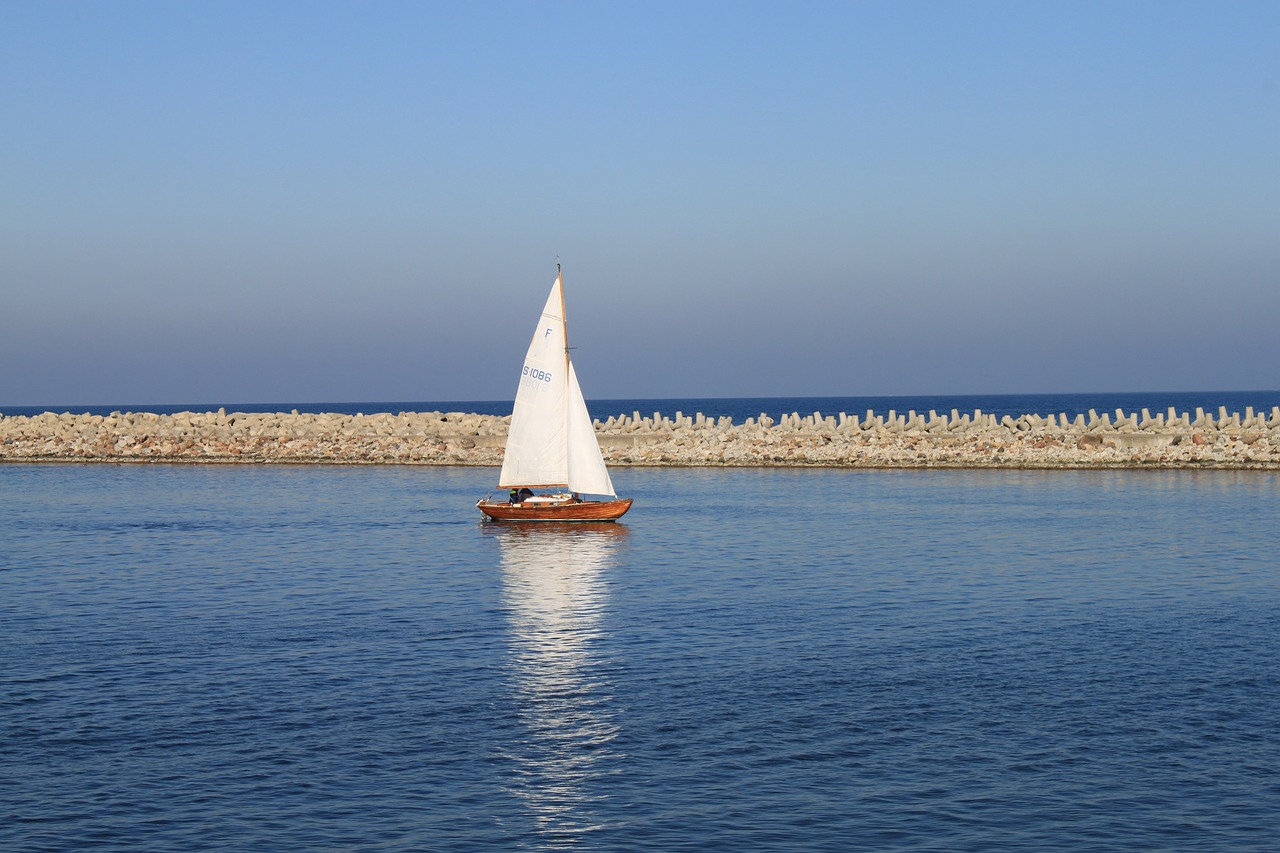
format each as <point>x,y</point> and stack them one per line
<point>555,594</point>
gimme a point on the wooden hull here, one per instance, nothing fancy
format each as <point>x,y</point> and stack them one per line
<point>579,511</point>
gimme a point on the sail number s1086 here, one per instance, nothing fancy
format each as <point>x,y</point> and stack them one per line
<point>536,373</point>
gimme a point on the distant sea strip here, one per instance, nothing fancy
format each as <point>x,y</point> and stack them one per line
<point>741,408</point>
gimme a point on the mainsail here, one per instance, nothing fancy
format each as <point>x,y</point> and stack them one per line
<point>552,441</point>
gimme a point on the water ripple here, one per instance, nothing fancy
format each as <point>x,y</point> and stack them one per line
<point>256,659</point>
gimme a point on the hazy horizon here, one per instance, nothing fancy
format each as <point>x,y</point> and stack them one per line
<point>1230,398</point>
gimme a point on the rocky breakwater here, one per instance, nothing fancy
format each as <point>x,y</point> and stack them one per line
<point>912,440</point>
<point>452,438</point>
<point>954,440</point>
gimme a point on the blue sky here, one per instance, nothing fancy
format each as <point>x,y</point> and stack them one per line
<point>258,202</point>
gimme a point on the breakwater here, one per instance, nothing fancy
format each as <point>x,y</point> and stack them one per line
<point>1170,439</point>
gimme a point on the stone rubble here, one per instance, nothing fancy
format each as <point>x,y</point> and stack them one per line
<point>911,440</point>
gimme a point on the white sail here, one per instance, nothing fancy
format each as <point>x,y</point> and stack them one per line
<point>551,441</point>
<point>587,472</point>
<point>537,444</point>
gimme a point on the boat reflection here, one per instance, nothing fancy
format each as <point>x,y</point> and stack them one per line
<point>555,592</point>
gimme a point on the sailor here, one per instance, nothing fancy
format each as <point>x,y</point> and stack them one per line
<point>515,496</point>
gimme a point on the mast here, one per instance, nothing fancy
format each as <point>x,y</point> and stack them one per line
<point>568,377</point>
<point>564,315</point>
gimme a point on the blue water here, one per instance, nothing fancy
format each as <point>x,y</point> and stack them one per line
<point>344,658</point>
<point>741,408</point>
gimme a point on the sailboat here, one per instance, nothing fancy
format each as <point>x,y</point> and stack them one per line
<point>552,443</point>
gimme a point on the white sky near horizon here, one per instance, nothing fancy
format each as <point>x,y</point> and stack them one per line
<point>308,202</point>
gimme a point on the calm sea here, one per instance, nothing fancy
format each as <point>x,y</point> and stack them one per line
<point>741,408</point>
<point>259,658</point>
